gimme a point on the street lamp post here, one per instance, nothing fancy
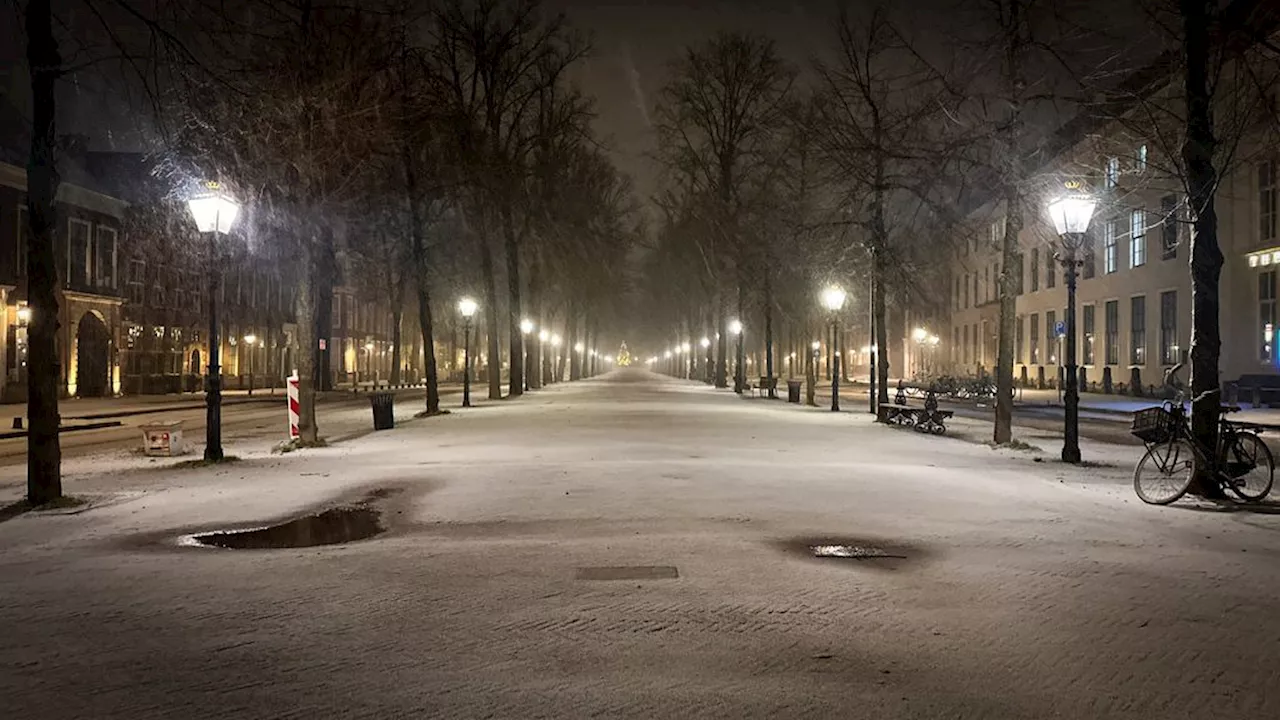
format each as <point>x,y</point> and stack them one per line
<point>467,307</point>
<point>833,299</point>
<point>1071,214</point>
<point>526,327</point>
<point>735,328</point>
<point>687,350</point>
<point>214,212</point>
<point>249,341</point>
<point>920,335</point>
<point>558,371</point>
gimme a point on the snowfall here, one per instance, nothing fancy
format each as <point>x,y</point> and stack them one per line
<point>637,546</point>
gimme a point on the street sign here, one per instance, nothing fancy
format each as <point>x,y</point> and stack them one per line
<point>324,344</point>
<point>1060,329</point>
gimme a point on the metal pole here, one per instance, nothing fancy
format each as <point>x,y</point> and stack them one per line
<point>738,371</point>
<point>213,396</point>
<point>835,374</point>
<point>250,369</point>
<point>466,363</point>
<point>1071,434</point>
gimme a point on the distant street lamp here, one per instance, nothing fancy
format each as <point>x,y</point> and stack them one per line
<point>250,340</point>
<point>1071,214</point>
<point>735,329</point>
<point>833,300</point>
<point>213,212</point>
<point>558,372</point>
<point>526,327</point>
<point>467,308</point>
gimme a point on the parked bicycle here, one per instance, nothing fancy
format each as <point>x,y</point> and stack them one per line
<point>1241,463</point>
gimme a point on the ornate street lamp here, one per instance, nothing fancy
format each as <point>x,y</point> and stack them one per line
<point>1071,214</point>
<point>213,212</point>
<point>250,340</point>
<point>467,308</point>
<point>833,300</point>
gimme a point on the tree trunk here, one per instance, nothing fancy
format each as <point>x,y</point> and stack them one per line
<point>882,335</point>
<point>44,453</point>
<point>515,340</point>
<point>722,340</point>
<point>491,316</point>
<point>1206,256</point>
<point>397,316</point>
<point>418,249</point>
<point>575,357</point>
<point>308,432</point>
<point>1008,314</point>
<point>534,346</point>
<point>768,329</point>
<point>326,268</point>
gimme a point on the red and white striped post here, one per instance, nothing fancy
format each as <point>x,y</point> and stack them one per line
<point>292,394</point>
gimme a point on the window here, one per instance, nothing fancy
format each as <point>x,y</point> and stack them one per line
<point>24,238</point>
<point>1113,172</point>
<point>1169,227</point>
<point>1087,313</point>
<point>137,280</point>
<point>1109,252</point>
<point>1089,258</point>
<point>1140,162</point>
<point>1138,331</point>
<point>1051,336</point>
<point>1137,238</point>
<point>986,283</point>
<point>1169,327</point>
<point>976,295</point>
<point>956,347</point>
<point>966,291</point>
<point>1019,339</point>
<point>1267,315</point>
<point>1019,265</point>
<point>966,345</point>
<point>1035,339</point>
<point>1050,274</point>
<point>158,299</point>
<point>1112,345</point>
<point>957,299</point>
<point>1035,269</point>
<point>997,233</point>
<point>78,252</point>
<point>104,258</point>
<point>1267,199</point>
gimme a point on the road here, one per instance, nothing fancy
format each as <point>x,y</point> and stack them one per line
<point>639,547</point>
<point>243,419</point>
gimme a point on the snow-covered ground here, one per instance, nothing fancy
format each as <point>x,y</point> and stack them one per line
<point>1027,589</point>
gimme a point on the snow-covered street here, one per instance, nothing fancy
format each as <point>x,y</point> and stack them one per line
<point>1017,588</point>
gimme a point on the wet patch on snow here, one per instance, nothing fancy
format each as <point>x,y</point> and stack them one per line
<point>851,551</point>
<point>344,523</point>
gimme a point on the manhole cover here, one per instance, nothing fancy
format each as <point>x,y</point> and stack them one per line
<point>331,527</point>
<point>853,552</point>
<point>629,572</point>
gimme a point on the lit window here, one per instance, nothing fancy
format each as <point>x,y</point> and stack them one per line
<point>1140,164</point>
<point>1267,200</point>
<point>1109,251</point>
<point>1113,172</point>
<point>1137,238</point>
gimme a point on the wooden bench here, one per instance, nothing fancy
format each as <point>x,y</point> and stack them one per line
<point>927,419</point>
<point>764,385</point>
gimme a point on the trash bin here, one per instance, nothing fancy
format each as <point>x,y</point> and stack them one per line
<point>793,391</point>
<point>163,439</point>
<point>383,404</point>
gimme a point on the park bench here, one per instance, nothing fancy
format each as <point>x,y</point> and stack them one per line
<point>764,385</point>
<point>927,419</point>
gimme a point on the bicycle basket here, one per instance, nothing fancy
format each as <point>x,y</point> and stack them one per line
<point>1153,425</point>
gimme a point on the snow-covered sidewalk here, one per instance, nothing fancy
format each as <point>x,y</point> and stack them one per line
<point>1024,588</point>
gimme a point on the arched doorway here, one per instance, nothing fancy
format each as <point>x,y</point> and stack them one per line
<point>196,368</point>
<point>93,351</point>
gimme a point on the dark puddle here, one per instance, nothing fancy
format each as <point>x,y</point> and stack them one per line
<point>849,551</point>
<point>330,527</point>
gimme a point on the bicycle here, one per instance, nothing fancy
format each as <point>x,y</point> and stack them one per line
<point>1241,463</point>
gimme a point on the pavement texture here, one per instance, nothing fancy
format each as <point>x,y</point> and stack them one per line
<point>635,546</point>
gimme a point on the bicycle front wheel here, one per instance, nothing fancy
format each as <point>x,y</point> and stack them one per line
<point>1165,472</point>
<point>1248,468</point>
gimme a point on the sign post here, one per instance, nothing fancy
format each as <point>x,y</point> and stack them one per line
<point>292,396</point>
